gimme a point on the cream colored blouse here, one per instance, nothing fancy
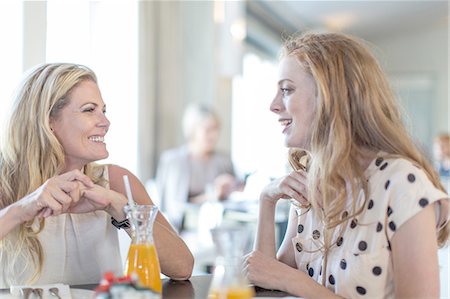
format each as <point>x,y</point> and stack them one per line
<point>78,249</point>
<point>360,261</point>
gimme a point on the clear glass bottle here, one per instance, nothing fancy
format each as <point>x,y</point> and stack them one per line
<point>228,280</point>
<point>142,257</point>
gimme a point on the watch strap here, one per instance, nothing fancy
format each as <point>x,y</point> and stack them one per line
<point>124,224</point>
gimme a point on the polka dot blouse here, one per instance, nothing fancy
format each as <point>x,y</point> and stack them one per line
<point>359,263</point>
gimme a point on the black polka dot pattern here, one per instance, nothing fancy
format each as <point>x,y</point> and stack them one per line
<point>376,271</point>
<point>389,211</point>
<point>343,264</point>
<point>316,234</point>
<point>299,247</point>
<point>344,214</point>
<point>392,226</point>
<point>378,161</point>
<point>362,245</point>
<point>423,202</point>
<point>411,178</point>
<point>379,227</point>
<point>300,228</point>
<point>331,279</point>
<point>390,198</point>
<point>361,290</point>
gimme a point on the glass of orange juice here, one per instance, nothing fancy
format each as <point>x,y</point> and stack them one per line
<point>228,280</point>
<point>142,259</point>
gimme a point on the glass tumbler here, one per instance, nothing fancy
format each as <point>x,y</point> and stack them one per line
<point>228,280</point>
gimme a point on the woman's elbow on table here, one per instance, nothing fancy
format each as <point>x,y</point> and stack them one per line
<point>182,269</point>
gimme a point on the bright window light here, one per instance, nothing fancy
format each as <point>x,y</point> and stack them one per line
<point>103,35</point>
<point>10,53</point>
<point>257,141</point>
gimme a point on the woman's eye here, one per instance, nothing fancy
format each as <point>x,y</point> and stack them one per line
<point>90,109</point>
<point>285,91</point>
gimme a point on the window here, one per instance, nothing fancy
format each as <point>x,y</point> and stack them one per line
<point>103,36</point>
<point>257,141</point>
<point>10,53</point>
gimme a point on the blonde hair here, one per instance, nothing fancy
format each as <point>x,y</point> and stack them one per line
<point>356,111</point>
<point>31,154</point>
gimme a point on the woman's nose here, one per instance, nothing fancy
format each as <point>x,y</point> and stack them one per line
<point>277,104</point>
<point>104,121</point>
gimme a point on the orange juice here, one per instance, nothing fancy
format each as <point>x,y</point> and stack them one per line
<point>236,292</point>
<point>143,260</point>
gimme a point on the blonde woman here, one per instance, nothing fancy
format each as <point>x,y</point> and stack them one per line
<point>56,204</point>
<point>373,210</point>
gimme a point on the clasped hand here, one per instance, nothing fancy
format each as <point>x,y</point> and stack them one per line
<point>71,192</point>
<point>291,186</point>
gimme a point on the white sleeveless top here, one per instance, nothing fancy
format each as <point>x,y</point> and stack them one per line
<point>78,249</point>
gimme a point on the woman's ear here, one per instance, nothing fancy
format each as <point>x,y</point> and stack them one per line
<point>51,123</point>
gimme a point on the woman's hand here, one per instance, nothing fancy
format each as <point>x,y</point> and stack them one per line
<point>100,198</point>
<point>264,271</point>
<point>290,186</point>
<point>224,184</point>
<point>55,196</point>
<point>269,273</point>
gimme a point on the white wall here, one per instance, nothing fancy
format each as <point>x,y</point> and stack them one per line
<point>422,54</point>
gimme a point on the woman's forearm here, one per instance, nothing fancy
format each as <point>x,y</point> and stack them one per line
<point>300,284</point>
<point>265,236</point>
<point>9,219</point>
<point>175,257</point>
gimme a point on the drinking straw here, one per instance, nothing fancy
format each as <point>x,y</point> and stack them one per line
<point>128,190</point>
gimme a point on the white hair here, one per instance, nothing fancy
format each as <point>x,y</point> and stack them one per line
<point>194,115</point>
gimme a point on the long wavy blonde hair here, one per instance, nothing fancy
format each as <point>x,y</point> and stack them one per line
<point>356,111</point>
<point>31,154</point>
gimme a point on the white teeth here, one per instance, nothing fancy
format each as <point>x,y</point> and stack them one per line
<point>285,122</point>
<point>97,138</point>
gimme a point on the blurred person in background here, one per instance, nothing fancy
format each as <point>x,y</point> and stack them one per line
<point>195,172</point>
<point>57,205</point>
<point>441,149</point>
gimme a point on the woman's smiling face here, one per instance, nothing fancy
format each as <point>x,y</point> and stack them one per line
<point>81,126</point>
<point>295,102</point>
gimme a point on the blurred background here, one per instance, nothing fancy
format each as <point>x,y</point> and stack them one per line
<point>153,58</point>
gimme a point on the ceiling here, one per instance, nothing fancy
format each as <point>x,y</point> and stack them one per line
<point>367,19</point>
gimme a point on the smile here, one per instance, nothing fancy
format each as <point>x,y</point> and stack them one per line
<point>97,138</point>
<point>285,122</point>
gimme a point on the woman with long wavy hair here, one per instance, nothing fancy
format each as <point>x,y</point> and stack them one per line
<point>370,210</point>
<point>56,203</point>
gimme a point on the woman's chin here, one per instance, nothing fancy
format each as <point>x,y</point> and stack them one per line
<point>101,156</point>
